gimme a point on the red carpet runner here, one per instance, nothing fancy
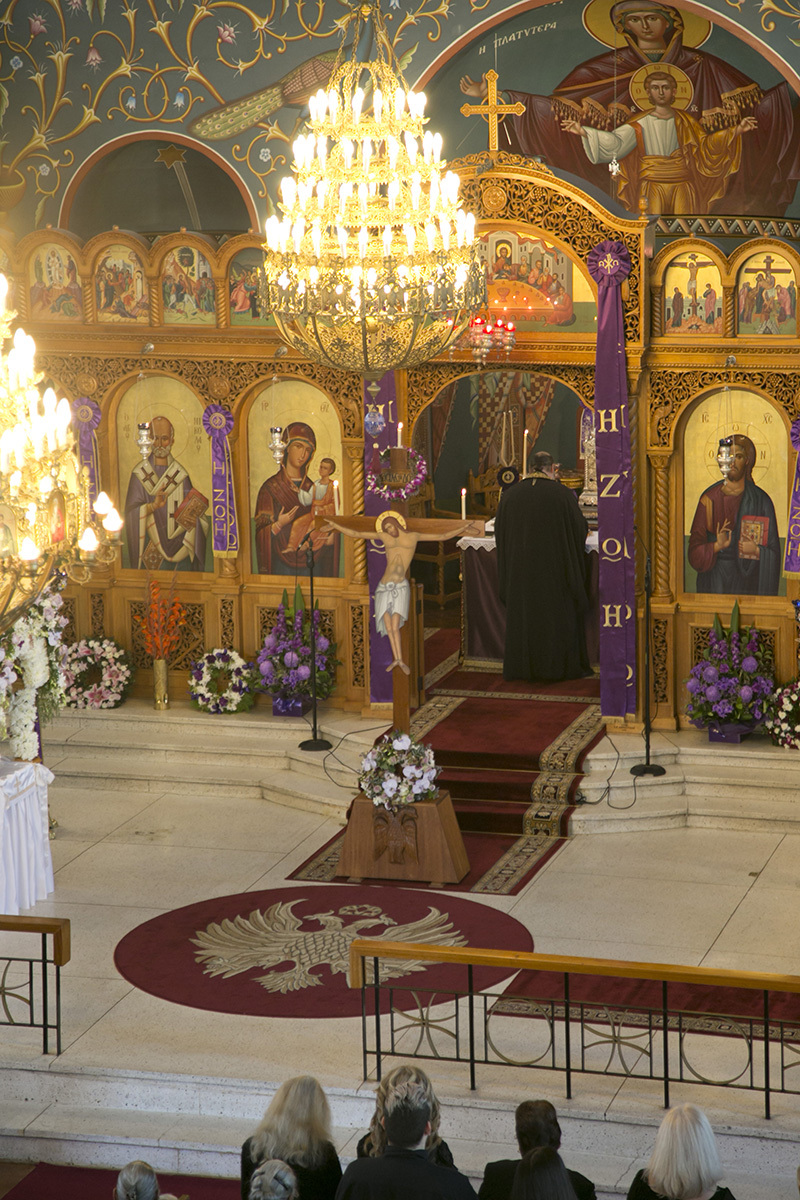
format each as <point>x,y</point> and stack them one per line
<point>46,1182</point>
<point>511,754</point>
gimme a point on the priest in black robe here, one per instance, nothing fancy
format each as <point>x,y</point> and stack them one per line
<point>541,558</point>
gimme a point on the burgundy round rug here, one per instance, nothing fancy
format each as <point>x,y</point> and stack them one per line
<point>284,952</point>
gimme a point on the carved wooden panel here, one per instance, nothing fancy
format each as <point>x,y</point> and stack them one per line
<point>97,614</point>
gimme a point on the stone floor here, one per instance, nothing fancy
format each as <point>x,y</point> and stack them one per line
<point>709,896</point>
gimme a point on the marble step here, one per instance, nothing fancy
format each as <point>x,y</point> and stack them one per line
<point>196,1125</point>
<point>745,787</point>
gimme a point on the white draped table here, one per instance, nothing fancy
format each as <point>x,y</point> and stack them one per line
<point>26,864</point>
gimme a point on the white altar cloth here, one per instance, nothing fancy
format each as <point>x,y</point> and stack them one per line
<point>26,864</point>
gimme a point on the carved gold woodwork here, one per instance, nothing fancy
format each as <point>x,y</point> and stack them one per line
<point>536,198</point>
<point>97,614</point>
<point>425,383</point>
<point>672,390</point>
<point>239,374</point>
<point>359,640</point>
<point>660,658</point>
<point>661,525</point>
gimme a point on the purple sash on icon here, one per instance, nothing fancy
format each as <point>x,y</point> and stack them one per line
<point>85,419</point>
<point>218,423</point>
<point>791,559</point>
<point>609,265</point>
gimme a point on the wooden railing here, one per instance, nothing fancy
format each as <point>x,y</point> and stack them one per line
<point>23,992</point>
<point>656,1036</point>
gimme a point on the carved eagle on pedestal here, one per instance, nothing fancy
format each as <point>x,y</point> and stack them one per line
<point>267,939</point>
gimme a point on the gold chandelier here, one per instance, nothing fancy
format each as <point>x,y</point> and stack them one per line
<point>373,264</point>
<point>42,485</point>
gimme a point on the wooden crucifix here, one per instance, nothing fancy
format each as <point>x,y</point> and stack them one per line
<point>398,535</point>
<point>491,109</point>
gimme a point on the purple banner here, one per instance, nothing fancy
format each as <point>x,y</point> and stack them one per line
<point>218,423</point>
<point>85,419</point>
<point>610,264</point>
<point>380,653</point>
<point>791,561</point>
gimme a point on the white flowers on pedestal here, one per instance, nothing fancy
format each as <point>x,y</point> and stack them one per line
<point>32,656</point>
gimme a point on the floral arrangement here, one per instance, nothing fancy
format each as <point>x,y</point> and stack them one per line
<point>733,682</point>
<point>418,466</point>
<point>397,771</point>
<point>161,623</point>
<point>222,682</point>
<point>31,675</point>
<point>285,658</point>
<point>97,674</point>
<point>783,716</point>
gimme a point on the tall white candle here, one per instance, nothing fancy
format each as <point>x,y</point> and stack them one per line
<point>525,455</point>
<point>399,434</point>
<point>463,504</point>
<point>336,496</point>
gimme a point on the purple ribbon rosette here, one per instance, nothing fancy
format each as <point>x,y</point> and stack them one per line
<point>85,419</point>
<point>218,423</point>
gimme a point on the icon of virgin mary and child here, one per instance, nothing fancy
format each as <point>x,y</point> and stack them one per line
<point>288,503</point>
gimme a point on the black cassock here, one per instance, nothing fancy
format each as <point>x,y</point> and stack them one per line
<point>541,533</point>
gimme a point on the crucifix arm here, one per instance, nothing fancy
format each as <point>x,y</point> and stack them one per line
<point>368,535</point>
<point>456,529</point>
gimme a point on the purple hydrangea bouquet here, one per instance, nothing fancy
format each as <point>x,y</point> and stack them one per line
<point>285,658</point>
<point>733,682</point>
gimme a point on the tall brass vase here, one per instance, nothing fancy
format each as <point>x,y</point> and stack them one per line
<point>160,683</point>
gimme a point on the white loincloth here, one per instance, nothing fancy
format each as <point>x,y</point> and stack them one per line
<point>391,598</point>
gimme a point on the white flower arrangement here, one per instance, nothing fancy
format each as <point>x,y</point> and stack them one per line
<point>97,674</point>
<point>35,653</point>
<point>222,682</point>
<point>397,771</point>
<point>783,716</point>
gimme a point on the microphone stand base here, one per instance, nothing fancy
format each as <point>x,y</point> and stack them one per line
<point>648,769</point>
<point>315,744</point>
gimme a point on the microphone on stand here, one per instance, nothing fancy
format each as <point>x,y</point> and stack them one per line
<point>307,538</point>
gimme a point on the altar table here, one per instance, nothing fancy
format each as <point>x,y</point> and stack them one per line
<point>483,616</point>
<point>26,864</point>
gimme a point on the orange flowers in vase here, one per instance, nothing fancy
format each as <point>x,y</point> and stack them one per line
<point>162,621</point>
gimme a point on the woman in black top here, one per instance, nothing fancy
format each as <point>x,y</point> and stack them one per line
<point>296,1128</point>
<point>684,1164</point>
<point>541,1175</point>
<point>373,1144</point>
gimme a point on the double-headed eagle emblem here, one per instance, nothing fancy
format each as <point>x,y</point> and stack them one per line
<point>276,936</point>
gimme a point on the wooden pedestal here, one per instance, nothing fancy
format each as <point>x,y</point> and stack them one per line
<point>420,843</point>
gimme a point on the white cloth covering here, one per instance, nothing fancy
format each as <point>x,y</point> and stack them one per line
<point>26,864</point>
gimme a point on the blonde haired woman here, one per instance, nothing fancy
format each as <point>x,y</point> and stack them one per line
<point>296,1128</point>
<point>684,1164</point>
<point>373,1144</point>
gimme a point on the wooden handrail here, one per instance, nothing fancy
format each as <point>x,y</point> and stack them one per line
<point>59,927</point>
<point>518,960</point>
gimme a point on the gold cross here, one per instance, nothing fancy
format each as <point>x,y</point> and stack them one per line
<point>490,110</point>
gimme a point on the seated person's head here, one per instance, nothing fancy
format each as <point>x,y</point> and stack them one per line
<point>542,1176</point>
<point>136,1181</point>
<point>407,1116</point>
<point>273,1180</point>
<point>537,1125</point>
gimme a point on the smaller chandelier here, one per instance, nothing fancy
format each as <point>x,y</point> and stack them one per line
<point>485,337</point>
<point>43,485</point>
<point>373,264</point>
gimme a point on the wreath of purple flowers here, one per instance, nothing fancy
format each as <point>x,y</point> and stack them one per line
<point>419,467</point>
<point>222,682</point>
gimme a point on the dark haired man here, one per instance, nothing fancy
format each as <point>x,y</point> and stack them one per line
<point>537,1125</point>
<point>404,1169</point>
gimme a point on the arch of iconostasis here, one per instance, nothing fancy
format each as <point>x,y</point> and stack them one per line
<point>165,330</point>
<point>723,358</point>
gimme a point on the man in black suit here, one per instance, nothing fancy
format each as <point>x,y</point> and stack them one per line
<point>537,1125</point>
<point>404,1169</point>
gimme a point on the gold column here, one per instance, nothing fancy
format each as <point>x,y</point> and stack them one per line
<point>661,548</point>
<point>355,452</point>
